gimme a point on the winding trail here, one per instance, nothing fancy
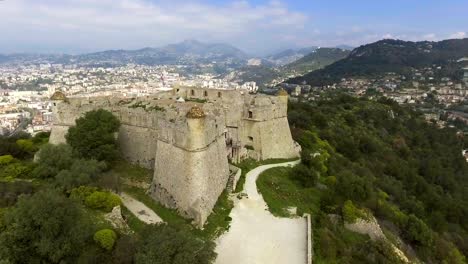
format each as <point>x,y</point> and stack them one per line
<point>258,237</point>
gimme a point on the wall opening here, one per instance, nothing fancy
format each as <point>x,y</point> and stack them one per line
<point>192,92</point>
<point>205,93</point>
<point>250,114</point>
<point>219,94</point>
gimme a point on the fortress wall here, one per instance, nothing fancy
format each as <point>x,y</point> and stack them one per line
<point>57,135</point>
<point>275,139</point>
<point>138,145</point>
<point>190,181</point>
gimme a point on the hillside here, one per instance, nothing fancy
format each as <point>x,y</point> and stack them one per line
<point>259,73</point>
<point>363,158</point>
<point>289,55</point>
<point>391,56</point>
<point>264,74</point>
<point>187,52</point>
<point>317,59</point>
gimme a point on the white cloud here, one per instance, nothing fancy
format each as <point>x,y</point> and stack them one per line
<point>459,35</point>
<point>430,37</point>
<point>388,36</point>
<point>138,23</point>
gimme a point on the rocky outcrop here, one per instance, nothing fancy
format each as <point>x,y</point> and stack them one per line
<point>117,221</point>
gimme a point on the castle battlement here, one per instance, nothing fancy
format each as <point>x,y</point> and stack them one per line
<point>188,143</point>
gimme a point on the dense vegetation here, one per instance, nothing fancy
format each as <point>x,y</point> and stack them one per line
<point>53,210</point>
<point>361,155</point>
<point>392,56</point>
<point>317,59</point>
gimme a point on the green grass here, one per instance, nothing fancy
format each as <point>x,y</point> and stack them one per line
<point>280,192</point>
<point>133,222</point>
<point>126,170</point>
<point>217,222</point>
<point>169,216</point>
<point>249,164</point>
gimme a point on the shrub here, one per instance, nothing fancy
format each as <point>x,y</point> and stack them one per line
<point>105,238</point>
<point>81,193</point>
<point>102,200</point>
<point>52,159</point>
<point>351,213</point>
<point>306,176</point>
<point>81,172</point>
<point>6,159</point>
<point>15,170</point>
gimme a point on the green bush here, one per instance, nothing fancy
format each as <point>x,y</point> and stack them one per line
<point>6,159</point>
<point>102,200</point>
<point>15,170</point>
<point>105,238</point>
<point>351,213</point>
<point>307,177</point>
<point>81,193</point>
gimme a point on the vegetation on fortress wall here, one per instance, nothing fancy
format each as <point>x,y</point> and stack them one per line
<point>375,155</point>
<point>52,210</point>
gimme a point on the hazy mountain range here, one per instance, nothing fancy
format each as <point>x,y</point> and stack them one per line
<point>188,52</point>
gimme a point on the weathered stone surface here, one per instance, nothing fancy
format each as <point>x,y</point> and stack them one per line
<point>188,144</point>
<point>117,221</point>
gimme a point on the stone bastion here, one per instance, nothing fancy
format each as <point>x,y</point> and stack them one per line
<point>188,136</point>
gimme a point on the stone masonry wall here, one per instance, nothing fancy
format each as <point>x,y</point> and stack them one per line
<point>190,155</point>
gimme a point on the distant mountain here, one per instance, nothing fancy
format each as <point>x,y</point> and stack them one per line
<point>260,74</point>
<point>289,55</point>
<point>345,47</point>
<point>390,55</point>
<point>264,74</point>
<point>317,59</point>
<point>186,53</point>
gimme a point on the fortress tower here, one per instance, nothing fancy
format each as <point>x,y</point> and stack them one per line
<point>188,144</point>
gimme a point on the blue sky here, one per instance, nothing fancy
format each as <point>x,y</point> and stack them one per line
<point>256,26</point>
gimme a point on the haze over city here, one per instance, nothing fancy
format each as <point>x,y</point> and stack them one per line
<point>257,27</point>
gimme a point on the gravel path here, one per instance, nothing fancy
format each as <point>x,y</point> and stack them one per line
<point>258,237</point>
<point>140,210</point>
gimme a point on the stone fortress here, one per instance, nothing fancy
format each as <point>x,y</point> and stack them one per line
<point>188,136</point>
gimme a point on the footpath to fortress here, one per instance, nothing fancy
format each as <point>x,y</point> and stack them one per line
<point>189,143</point>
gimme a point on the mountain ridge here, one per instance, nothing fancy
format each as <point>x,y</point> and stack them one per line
<point>389,55</point>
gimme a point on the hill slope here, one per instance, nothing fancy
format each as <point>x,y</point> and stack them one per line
<point>391,56</point>
<point>317,59</point>
<point>186,52</point>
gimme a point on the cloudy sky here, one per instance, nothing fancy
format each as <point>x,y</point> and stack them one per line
<point>257,27</point>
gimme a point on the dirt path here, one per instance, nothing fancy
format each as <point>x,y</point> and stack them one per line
<point>258,237</point>
<point>143,212</point>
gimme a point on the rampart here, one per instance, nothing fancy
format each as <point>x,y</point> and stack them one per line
<point>189,143</point>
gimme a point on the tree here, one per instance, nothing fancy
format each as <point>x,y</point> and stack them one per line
<point>93,135</point>
<point>417,231</point>
<point>52,159</point>
<point>306,176</point>
<point>46,227</point>
<point>162,244</point>
<point>81,172</point>
<point>124,251</point>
